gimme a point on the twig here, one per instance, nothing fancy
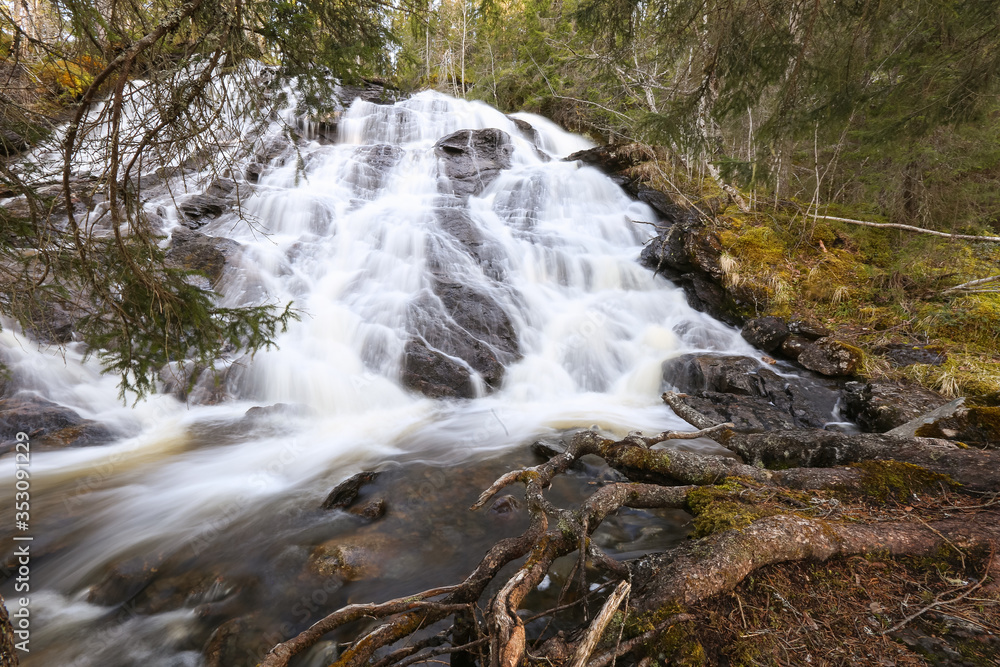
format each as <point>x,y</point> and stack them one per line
<point>961,554</point>
<point>596,629</point>
<point>423,657</point>
<point>937,603</point>
<point>605,658</point>
<point>549,612</point>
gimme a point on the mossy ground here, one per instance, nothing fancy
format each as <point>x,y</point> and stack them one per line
<point>835,613</point>
<point>874,287</point>
<point>846,611</point>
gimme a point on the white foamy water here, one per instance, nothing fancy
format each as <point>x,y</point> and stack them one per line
<point>355,247</point>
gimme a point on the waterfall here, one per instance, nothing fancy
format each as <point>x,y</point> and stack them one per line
<point>371,241</point>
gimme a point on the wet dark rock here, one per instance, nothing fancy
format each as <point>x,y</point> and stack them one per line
<point>792,346</point>
<point>434,374</point>
<point>458,223</point>
<point>472,159</point>
<point>239,642</point>
<point>689,255</point>
<point>526,129</point>
<point>767,333</point>
<point>613,158</point>
<point>369,90</point>
<point>661,203</point>
<point>900,355</point>
<point>809,329</point>
<point>694,373</point>
<point>481,316</point>
<point>668,252</point>
<point>344,494</point>
<point>746,415</point>
<point>685,248</point>
<point>125,579</point>
<point>253,172</point>
<point>370,511</point>
<point>12,143</point>
<point>504,507</point>
<point>206,255</point>
<point>198,209</point>
<point>707,296</point>
<point>769,400</point>
<point>47,424</point>
<point>878,407</point>
<point>352,558</point>
<point>831,357</point>
<point>460,330</point>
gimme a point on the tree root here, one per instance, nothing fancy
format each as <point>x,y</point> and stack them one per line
<point>787,531</point>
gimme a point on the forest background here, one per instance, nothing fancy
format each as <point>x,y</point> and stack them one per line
<point>777,117</point>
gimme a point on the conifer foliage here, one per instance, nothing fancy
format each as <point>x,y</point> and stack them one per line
<point>144,87</point>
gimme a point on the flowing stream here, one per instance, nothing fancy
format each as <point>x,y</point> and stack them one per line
<point>202,514</point>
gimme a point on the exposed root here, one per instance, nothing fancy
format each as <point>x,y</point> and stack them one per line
<point>753,521</point>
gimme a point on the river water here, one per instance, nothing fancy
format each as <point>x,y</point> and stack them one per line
<point>200,515</point>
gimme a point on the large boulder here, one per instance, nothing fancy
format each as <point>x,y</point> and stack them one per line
<point>207,255</point>
<point>689,255</point>
<point>458,224</point>
<point>766,400</point>
<point>458,330</point>
<point>47,424</point>
<point>472,159</point>
<point>878,407</point>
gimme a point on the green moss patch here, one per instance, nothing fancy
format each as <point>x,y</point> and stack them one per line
<point>885,480</point>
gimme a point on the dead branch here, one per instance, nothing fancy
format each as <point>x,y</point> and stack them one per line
<point>938,602</point>
<point>974,283</point>
<point>596,628</point>
<point>625,647</point>
<point>911,228</point>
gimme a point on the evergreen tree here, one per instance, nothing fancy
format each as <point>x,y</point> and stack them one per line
<point>144,85</point>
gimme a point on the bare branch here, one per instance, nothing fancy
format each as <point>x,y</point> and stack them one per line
<point>911,228</point>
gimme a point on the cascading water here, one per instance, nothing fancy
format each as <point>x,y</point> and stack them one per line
<point>361,235</point>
